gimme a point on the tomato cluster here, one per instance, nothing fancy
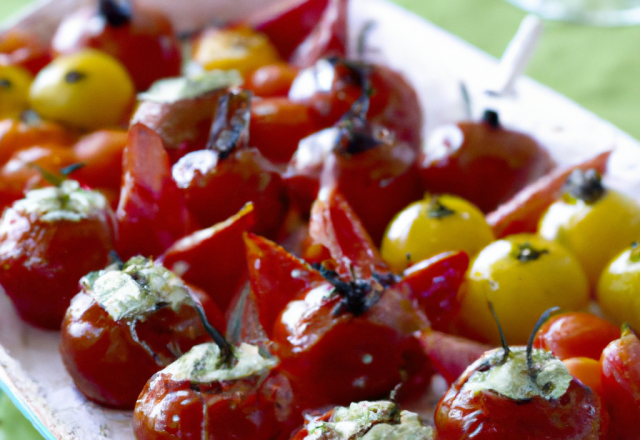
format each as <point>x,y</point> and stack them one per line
<point>283,195</point>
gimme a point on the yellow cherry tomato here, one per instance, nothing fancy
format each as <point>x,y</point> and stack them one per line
<point>88,89</point>
<point>522,276</point>
<point>618,292</point>
<point>239,48</point>
<point>433,225</point>
<point>594,232</point>
<point>14,90</point>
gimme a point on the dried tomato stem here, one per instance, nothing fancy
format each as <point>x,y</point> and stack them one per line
<point>115,12</point>
<point>543,318</point>
<point>503,340</point>
<point>227,358</point>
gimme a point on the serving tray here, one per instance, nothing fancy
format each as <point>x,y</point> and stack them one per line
<point>31,371</point>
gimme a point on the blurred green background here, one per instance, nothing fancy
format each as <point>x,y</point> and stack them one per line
<point>597,67</point>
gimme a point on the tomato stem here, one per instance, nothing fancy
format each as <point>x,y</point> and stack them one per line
<point>437,210</point>
<point>491,118</point>
<point>227,358</point>
<point>526,252</point>
<point>231,123</point>
<point>585,185</point>
<point>117,13</point>
<point>543,318</point>
<point>358,295</point>
<point>503,340</point>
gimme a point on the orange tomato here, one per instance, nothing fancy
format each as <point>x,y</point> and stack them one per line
<point>272,80</point>
<point>17,135</point>
<point>101,153</point>
<point>587,371</point>
<point>576,334</point>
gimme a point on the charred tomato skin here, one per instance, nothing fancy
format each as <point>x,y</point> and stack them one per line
<point>42,261</point>
<point>620,372</point>
<point>252,407</point>
<point>486,414</point>
<point>108,364</point>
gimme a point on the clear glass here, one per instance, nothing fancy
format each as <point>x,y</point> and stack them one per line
<point>592,12</point>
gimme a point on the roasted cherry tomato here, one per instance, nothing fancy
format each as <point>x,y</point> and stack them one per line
<point>621,384</point>
<point>587,371</point>
<point>14,90</point>
<point>365,420</point>
<point>142,39</point>
<point>592,222</point>
<point>49,240</point>
<point>481,161</point>
<point>332,86</point>
<point>151,214</point>
<point>17,135</point>
<point>272,80</point>
<point>218,181</point>
<point>238,47</point>
<point>101,154</point>
<point>521,275</point>
<point>125,325</point>
<point>278,125</point>
<point>202,396</point>
<point>181,110</point>
<point>88,89</point>
<point>26,168</point>
<point>19,47</point>
<point>618,292</point>
<point>365,162</point>
<point>576,334</point>
<point>523,211</point>
<point>513,394</point>
<point>433,225</point>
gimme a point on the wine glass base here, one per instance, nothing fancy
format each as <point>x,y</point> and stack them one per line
<point>590,12</point>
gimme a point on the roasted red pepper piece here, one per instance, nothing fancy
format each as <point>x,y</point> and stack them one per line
<point>273,292</point>
<point>522,213</point>
<point>152,213</point>
<point>434,284</point>
<point>328,37</point>
<point>450,355</point>
<point>336,226</point>
<point>218,181</point>
<point>287,28</point>
<point>620,364</point>
<point>214,258</point>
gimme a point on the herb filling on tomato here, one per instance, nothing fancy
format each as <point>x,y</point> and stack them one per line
<point>137,289</point>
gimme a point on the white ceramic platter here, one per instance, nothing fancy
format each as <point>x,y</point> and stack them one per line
<point>31,370</point>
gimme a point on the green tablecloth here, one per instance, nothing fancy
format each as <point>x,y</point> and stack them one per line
<point>597,67</point>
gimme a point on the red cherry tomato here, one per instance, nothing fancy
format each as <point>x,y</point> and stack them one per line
<point>130,349</point>
<point>17,135</point>
<point>576,334</point>
<point>522,213</point>
<point>620,364</point>
<point>21,174</point>
<point>278,125</point>
<point>23,48</point>
<point>101,154</point>
<point>331,86</point>
<point>151,214</point>
<point>469,158</point>
<point>125,34</point>
<point>218,181</point>
<point>47,242</point>
<point>272,80</point>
